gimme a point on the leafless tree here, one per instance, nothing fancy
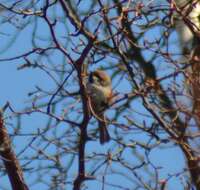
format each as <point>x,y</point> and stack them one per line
<point>51,141</point>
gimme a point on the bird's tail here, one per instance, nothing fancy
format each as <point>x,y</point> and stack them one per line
<point>104,135</point>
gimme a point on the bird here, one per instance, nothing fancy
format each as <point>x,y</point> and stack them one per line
<point>99,89</point>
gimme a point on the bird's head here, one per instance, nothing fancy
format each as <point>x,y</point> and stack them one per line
<point>100,77</point>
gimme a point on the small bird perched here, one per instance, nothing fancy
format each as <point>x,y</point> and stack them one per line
<point>100,92</point>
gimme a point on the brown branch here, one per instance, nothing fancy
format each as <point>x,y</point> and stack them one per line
<point>74,20</point>
<point>78,65</point>
<point>35,50</point>
<point>83,127</point>
<point>192,162</point>
<point>10,161</point>
<point>195,82</point>
<point>150,73</point>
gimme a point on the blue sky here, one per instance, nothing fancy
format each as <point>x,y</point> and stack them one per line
<point>16,84</point>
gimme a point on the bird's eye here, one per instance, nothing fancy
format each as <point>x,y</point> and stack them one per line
<point>99,80</point>
<point>96,80</point>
